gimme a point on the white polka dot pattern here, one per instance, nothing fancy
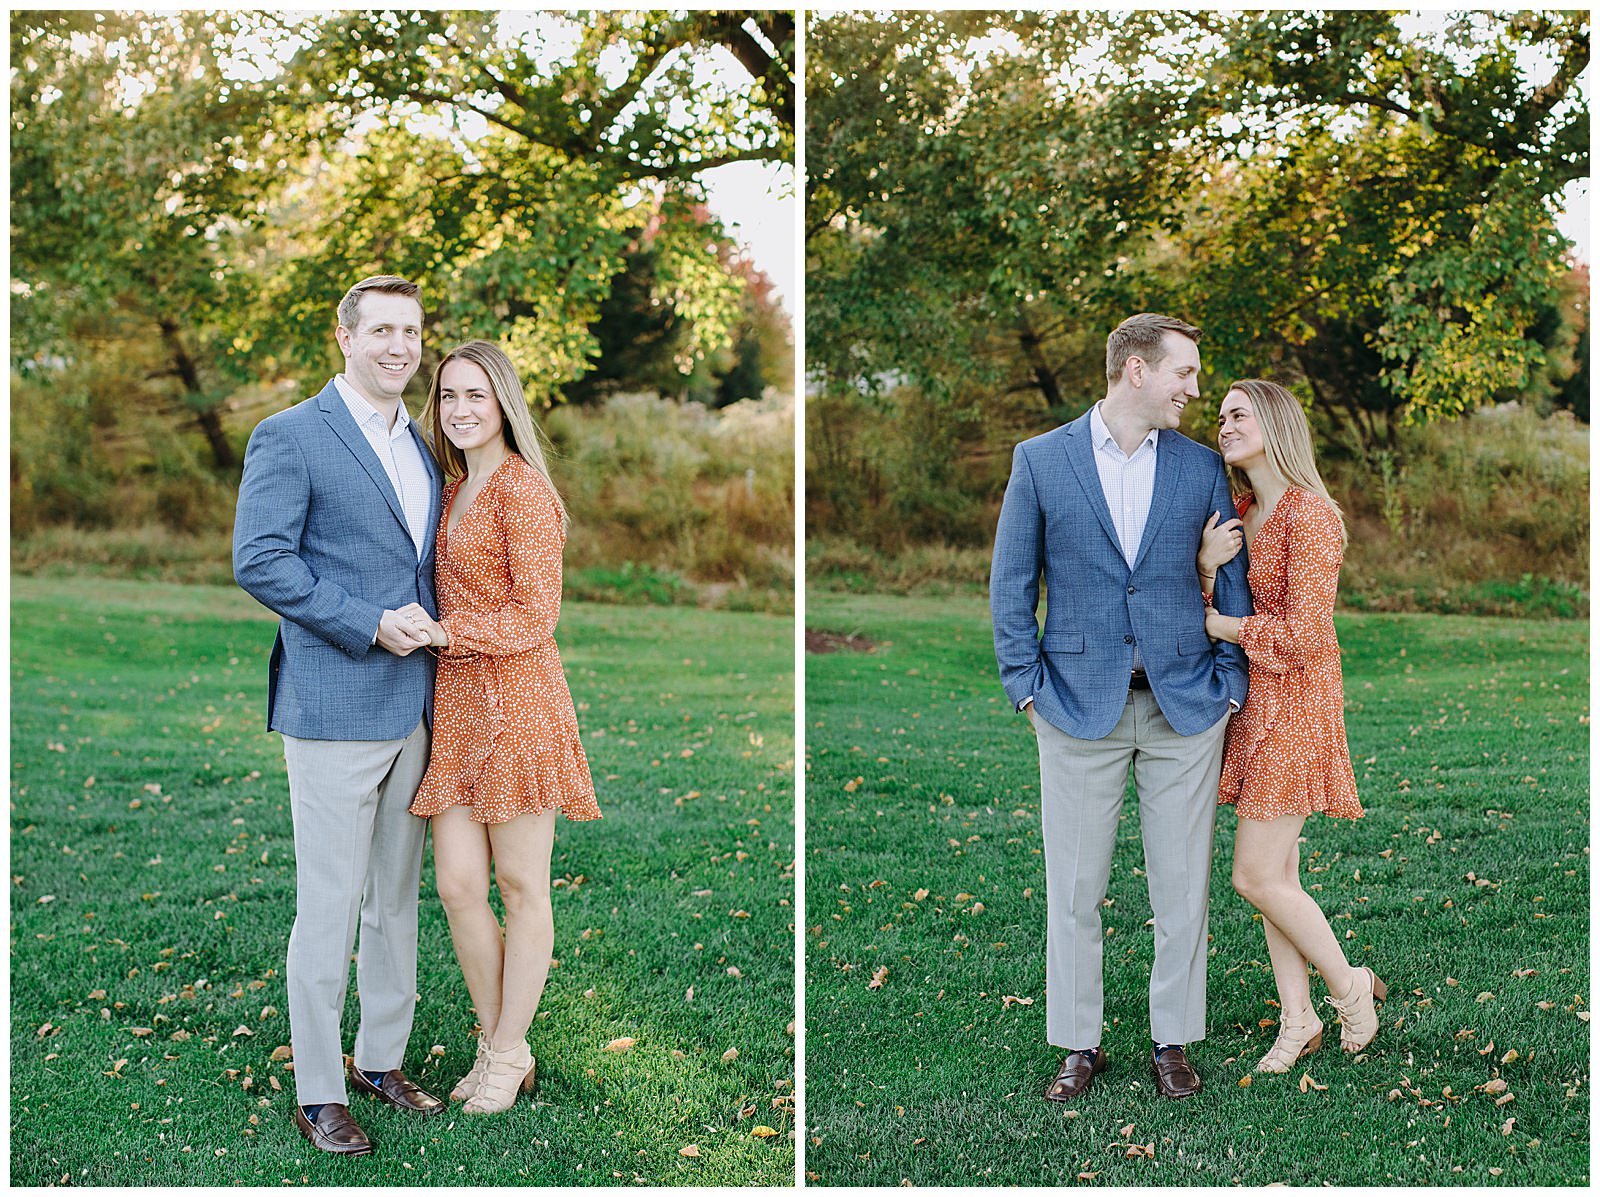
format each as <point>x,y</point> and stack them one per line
<point>1286,751</point>
<point>505,735</point>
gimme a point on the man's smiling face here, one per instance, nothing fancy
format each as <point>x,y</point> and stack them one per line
<point>384,349</point>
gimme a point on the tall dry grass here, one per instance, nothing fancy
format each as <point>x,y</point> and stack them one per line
<point>1488,514</point>
<point>670,503</point>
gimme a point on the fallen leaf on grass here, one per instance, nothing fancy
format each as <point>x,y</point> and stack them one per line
<point>619,1045</point>
<point>766,1132</point>
<point>1505,1127</point>
<point>1511,1055</point>
<point>1244,1081</point>
<point>143,1032</point>
<point>1307,1082</point>
<point>879,976</point>
<point>1008,1001</point>
<point>1087,1175</point>
<point>729,1056</point>
<point>1583,1016</point>
<point>1497,1085</point>
<point>691,1151</point>
<point>282,1052</point>
<point>242,1031</point>
<point>920,894</point>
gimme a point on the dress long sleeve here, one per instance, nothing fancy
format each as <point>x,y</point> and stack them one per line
<point>1304,631</point>
<point>531,525</point>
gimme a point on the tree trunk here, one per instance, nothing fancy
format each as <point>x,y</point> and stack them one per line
<point>1043,376</point>
<point>207,416</point>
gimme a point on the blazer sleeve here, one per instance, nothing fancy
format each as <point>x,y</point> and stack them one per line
<point>1305,631</point>
<point>1232,596</point>
<point>1014,583</point>
<point>533,538</point>
<point>274,503</point>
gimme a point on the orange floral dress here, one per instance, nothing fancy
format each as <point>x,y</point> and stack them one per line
<point>1286,752</point>
<point>505,735</point>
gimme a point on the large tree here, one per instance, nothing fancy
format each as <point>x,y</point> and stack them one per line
<point>1342,196</point>
<point>129,196</point>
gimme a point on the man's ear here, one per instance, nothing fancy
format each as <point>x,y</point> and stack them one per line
<point>1134,371</point>
<point>341,336</point>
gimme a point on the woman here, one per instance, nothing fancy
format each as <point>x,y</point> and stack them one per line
<point>506,755</point>
<point>1285,754</point>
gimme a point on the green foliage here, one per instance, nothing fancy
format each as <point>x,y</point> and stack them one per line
<point>153,880</point>
<point>196,191</point>
<point>1341,197</point>
<point>130,195</point>
<point>1468,880</point>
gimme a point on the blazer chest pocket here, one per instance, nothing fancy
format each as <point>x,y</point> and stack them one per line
<point>1062,642</point>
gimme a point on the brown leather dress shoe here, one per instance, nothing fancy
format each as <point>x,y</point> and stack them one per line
<point>334,1131</point>
<point>1175,1076</point>
<point>398,1090</point>
<point>1077,1073</point>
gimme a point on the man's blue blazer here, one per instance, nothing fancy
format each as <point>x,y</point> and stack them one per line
<point>1055,523</point>
<point>320,538</point>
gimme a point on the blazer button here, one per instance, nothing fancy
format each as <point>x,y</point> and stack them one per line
<point>1127,640</point>
<point>1133,590</point>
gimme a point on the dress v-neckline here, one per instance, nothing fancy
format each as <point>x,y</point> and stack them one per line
<point>1271,515</point>
<point>465,515</point>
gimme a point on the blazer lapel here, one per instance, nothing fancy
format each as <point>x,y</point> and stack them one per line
<point>1169,472</point>
<point>1080,453</point>
<point>344,425</point>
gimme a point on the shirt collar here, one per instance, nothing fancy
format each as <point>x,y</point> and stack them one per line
<point>1102,434</point>
<point>362,411</point>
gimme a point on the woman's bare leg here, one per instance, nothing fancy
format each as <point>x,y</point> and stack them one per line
<point>461,867</point>
<point>1266,872</point>
<point>521,850</point>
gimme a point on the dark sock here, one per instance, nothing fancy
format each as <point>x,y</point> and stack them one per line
<point>313,1111</point>
<point>1158,1048</point>
<point>375,1077</point>
<point>1092,1052</point>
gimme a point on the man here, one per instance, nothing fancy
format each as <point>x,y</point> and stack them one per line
<point>334,532</point>
<point>1110,510</point>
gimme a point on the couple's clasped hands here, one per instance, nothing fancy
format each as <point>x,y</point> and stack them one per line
<point>408,629</point>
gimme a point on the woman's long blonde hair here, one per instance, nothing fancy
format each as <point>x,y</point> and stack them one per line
<point>521,435</point>
<point>1286,439</point>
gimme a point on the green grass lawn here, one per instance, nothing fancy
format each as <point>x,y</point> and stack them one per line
<point>1466,886</point>
<point>152,893</point>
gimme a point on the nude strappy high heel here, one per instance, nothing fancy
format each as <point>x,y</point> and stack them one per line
<point>468,1085</point>
<point>1358,1011</point>
<point>507,1074</point>
<point>1299,1035</point>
